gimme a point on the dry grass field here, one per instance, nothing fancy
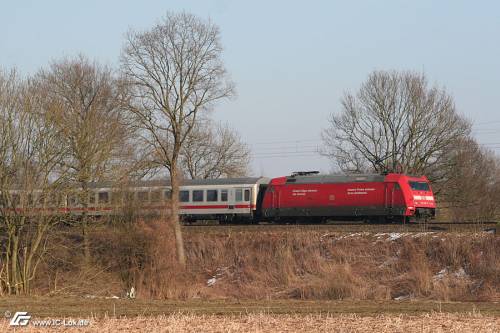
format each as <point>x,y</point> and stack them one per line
<point>277,262</point>
<point>263,322</point>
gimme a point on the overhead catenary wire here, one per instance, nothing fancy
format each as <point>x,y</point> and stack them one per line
<point>310,147</point>
<point>487,123</point>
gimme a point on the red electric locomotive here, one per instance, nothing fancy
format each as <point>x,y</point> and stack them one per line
<point>309,197</point>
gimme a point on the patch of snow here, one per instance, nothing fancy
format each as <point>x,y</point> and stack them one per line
<point>441,274</point>
<point>211,281</point>
<point>421,234</point>
<point>445,272</point>
<point>101,297</point>
<point>394,235</point>
<point>219,273</point>
<point>402,297</point>
<point>112,297</point>
<point>460,273</point>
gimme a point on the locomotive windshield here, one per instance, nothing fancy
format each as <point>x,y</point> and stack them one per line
<point>419,186</point>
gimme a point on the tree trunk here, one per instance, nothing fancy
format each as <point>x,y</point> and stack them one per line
<point>174,216</point>
<point>14,263</point>
<point>86,241</point>
<point>84,199</point>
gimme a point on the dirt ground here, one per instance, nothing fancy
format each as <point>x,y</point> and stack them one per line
<point>43,307</point>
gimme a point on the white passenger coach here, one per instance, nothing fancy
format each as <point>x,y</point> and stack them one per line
<point>229,199</point>
<point>224,199</point>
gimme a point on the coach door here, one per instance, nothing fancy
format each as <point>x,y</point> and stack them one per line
<point>230,198</point>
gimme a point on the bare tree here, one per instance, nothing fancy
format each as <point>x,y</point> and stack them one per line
<point>85,101</point>
<point>214,151</point>
<point>395,123</point>
<point>176,72</point>
<point>472,190</point>
<point>29,156</point>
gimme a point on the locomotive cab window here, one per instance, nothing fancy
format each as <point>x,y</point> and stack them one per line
<point>419,186</point>
<point>184,196</point>
<point>223,195</point>
<point>198,195</point>
<point>212,195</point>
<point>238,194</point>
<point>247,195</point>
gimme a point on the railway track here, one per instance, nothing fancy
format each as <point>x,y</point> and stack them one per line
<point>349,227</point>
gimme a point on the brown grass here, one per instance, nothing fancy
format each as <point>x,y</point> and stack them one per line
<point>278,264</point>
<point>263,322</point>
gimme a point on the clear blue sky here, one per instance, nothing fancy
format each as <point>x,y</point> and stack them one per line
<point>291,60</point>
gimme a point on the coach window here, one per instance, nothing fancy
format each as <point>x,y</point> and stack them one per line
<point>238,194</point>
<point>92,198</point>
<point>223,195</point>
<point>72,200</point>
<point>198,195</point>
<point>16,199</point>
<point>103,197</point>
<point>247,195</point>
<point>168,194</point>
<point>155,196</point>
<point>142,196</point>
<point>117,197</point>
<point>53,200</point>
<point>212,195</point>
<point>30,199</point>
<point>184,196</point>
<point>40,199</point>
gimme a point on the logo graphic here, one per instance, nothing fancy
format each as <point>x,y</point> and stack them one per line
<point>21,318</point>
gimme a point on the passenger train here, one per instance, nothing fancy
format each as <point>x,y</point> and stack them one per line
<point>301,197</point>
